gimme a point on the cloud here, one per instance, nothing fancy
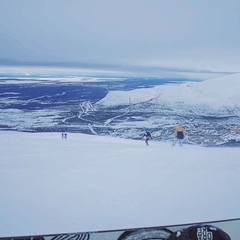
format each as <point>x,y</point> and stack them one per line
<point>164,32</point>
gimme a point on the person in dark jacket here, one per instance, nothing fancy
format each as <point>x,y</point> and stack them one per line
<point>179,135</point>
<point>147,135</point>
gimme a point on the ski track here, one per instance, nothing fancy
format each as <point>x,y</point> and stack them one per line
<point>112,119</point>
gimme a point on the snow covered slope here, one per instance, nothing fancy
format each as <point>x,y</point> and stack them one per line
<point>217,93</point>
<point>89,183</point>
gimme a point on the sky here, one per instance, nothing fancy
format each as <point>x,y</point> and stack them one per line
<point>90,183</point>
<point>184,34</point>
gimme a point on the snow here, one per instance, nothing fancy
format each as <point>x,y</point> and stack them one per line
<point>88,183</point>
<point>217,92</point>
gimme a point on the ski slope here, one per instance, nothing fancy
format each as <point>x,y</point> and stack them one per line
<point>89,183</point>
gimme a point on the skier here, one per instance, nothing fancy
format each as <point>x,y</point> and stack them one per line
<point>179,135</point>
<point>147,135</point>
<point>64,135</point>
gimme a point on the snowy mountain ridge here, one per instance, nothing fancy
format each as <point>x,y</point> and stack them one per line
<point>217,92</point>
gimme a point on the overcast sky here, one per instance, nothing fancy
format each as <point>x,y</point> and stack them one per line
<point>199,34</point>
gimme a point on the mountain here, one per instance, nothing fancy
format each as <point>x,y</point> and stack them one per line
<point>220,92</point>
<point>209,110</point>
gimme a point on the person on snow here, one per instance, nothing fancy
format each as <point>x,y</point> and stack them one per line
<point>147,135</point>
<point>64,135</point>
<point>179,135</point>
